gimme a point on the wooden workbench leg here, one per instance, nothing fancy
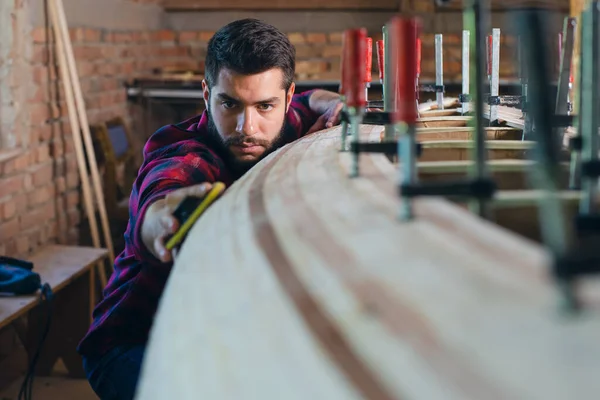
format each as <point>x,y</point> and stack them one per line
<point>70,321</point>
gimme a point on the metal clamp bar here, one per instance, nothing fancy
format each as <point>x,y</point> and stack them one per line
<point>590,101</point>
<point>474,19</point>
<point>554,226</point>
<point>439,69</point>
<point>388,93</point>
<point>495,76</point>
<point>464,98</point>
<point>566,57</point>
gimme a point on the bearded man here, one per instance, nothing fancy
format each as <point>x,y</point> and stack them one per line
<point>251,110</point>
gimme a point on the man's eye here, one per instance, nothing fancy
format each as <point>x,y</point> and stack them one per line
<point>228,104</point>
<point>265,107</point>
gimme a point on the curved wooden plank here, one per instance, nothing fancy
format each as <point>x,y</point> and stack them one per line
<point>509,174</point>
<point>467,133</point>
<point>455,150</point>
<point>464,133</point>
<point>452,121</point>
<point>447,112</point>
<point>301,283</point>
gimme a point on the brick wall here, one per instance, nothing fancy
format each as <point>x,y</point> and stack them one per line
<point>318,54</point>
<point>40,198</point>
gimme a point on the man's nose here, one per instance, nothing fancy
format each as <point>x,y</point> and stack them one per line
<point>245,123</point>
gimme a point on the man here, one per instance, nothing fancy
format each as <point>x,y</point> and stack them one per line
<point>251,110</point>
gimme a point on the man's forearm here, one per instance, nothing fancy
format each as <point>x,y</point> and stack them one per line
<point>321,101</point>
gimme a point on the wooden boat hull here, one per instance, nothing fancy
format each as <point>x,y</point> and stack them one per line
<point>302,283</point>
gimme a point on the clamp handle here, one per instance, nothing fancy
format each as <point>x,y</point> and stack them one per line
<point>403,40</point>
<point>354,71</point>
<point>369,60</point>
<point>380,59</point>
<point>419,56</point>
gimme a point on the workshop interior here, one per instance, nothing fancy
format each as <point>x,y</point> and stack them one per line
<point>439,241</point>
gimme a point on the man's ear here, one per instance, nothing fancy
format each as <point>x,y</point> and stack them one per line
<point>289,96</point>
<point>205,93</point>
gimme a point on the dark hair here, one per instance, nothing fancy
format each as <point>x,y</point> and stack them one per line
<point>250,46</point>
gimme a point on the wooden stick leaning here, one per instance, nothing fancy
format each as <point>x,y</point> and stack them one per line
<point>79,156</point>
<point>75,128</point>
<point>87,138</point>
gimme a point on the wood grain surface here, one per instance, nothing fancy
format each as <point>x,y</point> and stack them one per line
<point>301,282</point>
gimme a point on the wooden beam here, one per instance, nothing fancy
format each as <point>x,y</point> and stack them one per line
<point>217,5</point>
<point>508,5</point>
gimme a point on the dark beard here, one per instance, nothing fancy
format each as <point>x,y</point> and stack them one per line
<point>237,166</point>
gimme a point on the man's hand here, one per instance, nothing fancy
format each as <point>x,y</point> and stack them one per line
<point>329,106</point>
<point>159,223</point>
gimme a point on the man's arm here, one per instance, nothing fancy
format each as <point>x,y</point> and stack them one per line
<point>169,166</point>
<point>317,109</point>
<point>323,101</point>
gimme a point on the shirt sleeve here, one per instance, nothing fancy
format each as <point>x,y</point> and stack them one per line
<point>162,173</point>
<point>301,117</point>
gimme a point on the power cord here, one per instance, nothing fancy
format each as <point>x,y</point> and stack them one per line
<point>47,300</point>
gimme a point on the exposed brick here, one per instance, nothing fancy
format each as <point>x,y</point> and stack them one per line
<point>40,195</point>
<point>123,37</point>
<point>50,231</point>
<point>107,69</point>
<point>316,37</point>
<point>40,94</point>
<point>12,184</point>
<point>187,36</point>
<point>92,35</point>
<point>17,164</point>
<point>205,36</point>
<point>72,199</point>
<point>85,68</point>
<point>72,179</point>
<point>28,182</point>
<point>39,113</point>
<point>310,67</point>
<point>9,229</point>
<point>305,51</point>
<point>41,54</point>
<point>164,36</point>
<point>332,51</point>
<point>77,34</point>
<point>22,244</point>
<point>10,247</point>
<point>296,38</point>
<point>61,184</point>
<point>8,208</point>
<point>109,52</point>
<point>88,52</point>
<point>175,51</point>
<point>127,68</point>
<point>43,174</point>
<point>38,35</point>
<point>37,215</point>
<point>336,37</point>
<point>107,37</point>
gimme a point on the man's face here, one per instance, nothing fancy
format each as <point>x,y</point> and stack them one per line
<point>247,112</point>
